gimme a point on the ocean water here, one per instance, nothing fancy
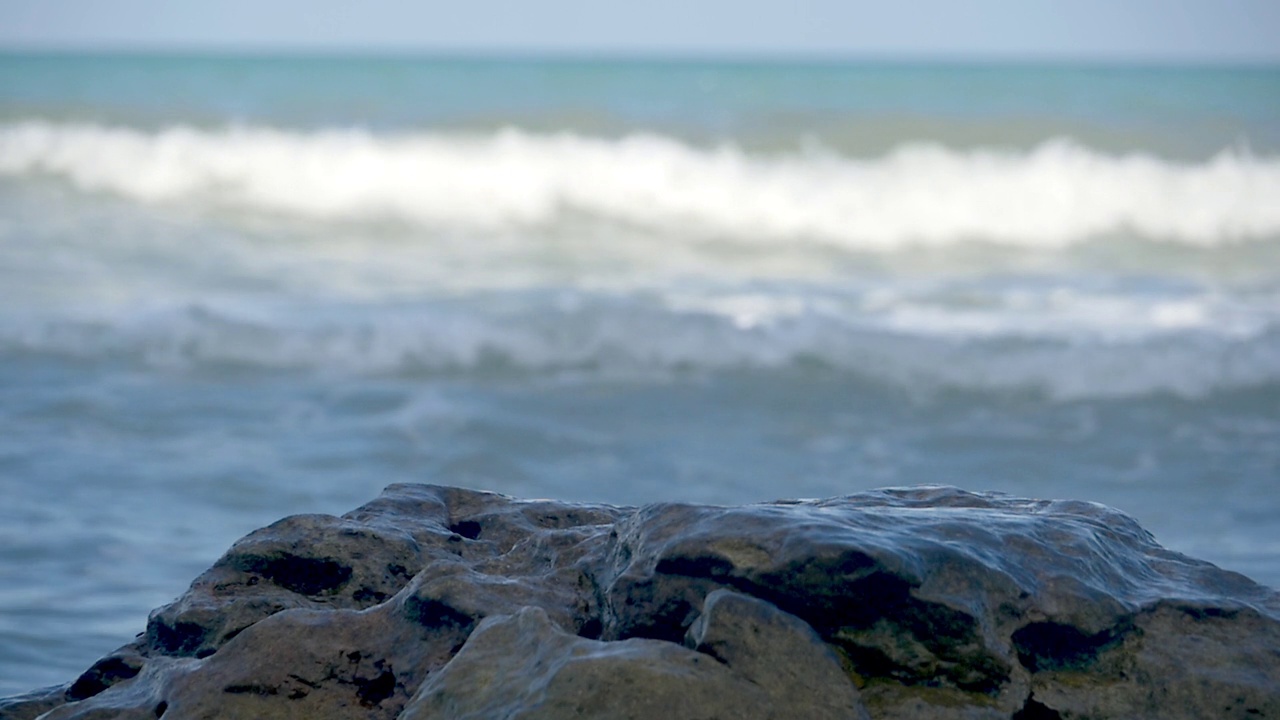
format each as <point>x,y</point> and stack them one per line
<point>237,288</point>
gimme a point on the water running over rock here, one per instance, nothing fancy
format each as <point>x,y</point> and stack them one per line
<point>926,602</point>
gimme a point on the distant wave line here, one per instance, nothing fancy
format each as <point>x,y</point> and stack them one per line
<point>1082,363</point>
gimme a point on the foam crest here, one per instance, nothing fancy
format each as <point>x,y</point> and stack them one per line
<point>922,194</point>
<point>623,339</point>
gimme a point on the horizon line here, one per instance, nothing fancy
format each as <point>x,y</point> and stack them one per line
<point>629,54</point>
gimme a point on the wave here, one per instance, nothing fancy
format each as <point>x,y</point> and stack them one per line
<point>624,339</point>
<point>921,194</point>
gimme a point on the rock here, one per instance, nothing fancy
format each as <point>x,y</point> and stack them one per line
<point>31,705</point>
<point>779,653</point>
<point>904,603</point>
<point>524,666</point>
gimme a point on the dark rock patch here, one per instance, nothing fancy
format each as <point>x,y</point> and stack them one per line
<point>178,638</point>
<point>434,614</point>
<point>1056,646</point>
<point>1036,711</point>
<point>469,529</point>
<point>302,575</point>
<point>103,674</point>
<point>375,690</point>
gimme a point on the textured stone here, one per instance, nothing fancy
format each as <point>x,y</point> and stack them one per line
<point>526,667</point>
<point>31,705</point>
<point>904,603</point>
<point>779,653</point>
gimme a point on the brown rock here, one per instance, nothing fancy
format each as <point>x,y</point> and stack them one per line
<point>904,603</point>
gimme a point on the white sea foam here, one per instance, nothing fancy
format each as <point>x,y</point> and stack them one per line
<point>608,338</point>
<point>924,194</point>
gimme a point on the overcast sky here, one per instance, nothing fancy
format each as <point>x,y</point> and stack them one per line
<point>1178,30</point>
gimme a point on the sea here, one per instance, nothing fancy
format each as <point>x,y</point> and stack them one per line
<point>239,287</point>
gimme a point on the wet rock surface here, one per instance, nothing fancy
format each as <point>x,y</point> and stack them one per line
<point>932,602</point>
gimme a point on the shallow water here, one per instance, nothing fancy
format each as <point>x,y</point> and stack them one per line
<point>236,289</point>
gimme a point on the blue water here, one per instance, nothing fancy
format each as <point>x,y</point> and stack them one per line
<point>233,289</point>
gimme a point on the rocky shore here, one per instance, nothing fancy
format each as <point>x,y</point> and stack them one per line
<point>919,603</point>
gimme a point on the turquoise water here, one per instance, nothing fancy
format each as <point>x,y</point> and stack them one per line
<point>1192,111</point>
<point>233,289</point>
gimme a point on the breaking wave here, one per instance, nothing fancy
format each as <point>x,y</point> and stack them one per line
<point>924,194</point>
<point>607,339</point>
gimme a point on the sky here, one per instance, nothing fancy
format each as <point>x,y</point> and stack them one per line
<point>1141,30</point>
